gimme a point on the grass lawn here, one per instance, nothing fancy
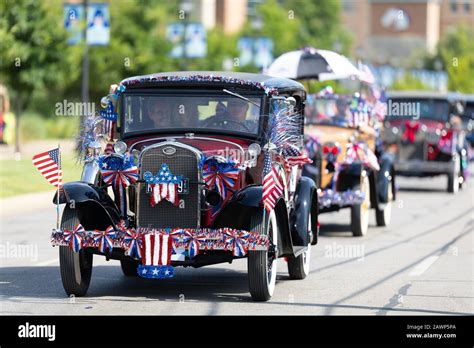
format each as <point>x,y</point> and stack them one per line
<point>19,177</point>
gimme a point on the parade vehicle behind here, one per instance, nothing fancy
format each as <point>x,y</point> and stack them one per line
<point>427,132</point>
<point>191,169</point>
<point>351,166</point>
<point>468,123</point>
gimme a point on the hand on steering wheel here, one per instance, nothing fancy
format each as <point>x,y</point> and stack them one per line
<point>224,121</point>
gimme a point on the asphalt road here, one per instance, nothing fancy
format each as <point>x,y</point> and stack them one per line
<point>423,263</point>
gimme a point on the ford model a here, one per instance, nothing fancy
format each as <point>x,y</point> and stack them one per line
<point>350,165</point>
<point>427,131</point>
<point>203,168</point>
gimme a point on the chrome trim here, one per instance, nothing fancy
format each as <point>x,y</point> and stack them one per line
<point>199,171</point>
<point>90,171</point>
<point>194,137</point>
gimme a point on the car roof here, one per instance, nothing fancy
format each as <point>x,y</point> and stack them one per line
<point>219,77</point>
<point>469,98</point>
<point>451,96</point>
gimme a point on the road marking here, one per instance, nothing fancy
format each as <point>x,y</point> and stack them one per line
<point>422,266</point>
<point>47,263</point>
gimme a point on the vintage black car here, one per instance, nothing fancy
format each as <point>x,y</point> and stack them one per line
<point>192,169</point>
<point>427,131</point>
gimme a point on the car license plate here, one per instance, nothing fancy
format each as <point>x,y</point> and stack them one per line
<point>183,187</point>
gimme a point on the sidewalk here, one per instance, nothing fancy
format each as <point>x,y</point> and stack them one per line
<point>28,203</point>
<point>30,149</point>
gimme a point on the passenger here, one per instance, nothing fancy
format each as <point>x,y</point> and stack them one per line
<point>159,113</point>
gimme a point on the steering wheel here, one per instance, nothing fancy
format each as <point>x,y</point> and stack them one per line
<point>225,121</point>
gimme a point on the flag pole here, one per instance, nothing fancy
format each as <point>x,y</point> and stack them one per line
<point>60,182</point>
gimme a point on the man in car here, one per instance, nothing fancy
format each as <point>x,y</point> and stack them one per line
<point>232,117</point>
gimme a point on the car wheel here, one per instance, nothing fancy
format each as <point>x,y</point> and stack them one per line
<point>360,212</point>
<point>383,216</point>
<point>129,267</point>
<point>76,268</point>
<point>262,264</point>
<point>298,267</point>
<point>453,177</point>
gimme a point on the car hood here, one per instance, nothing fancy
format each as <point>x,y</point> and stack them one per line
<point>209,145</point>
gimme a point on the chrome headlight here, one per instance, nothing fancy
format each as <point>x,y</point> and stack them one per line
<point>120,147</point>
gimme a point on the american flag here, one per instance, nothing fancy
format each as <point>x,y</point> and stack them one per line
<point>49,165</point>
<point>272,185</point>
<point>157,249</point>
<point>294,157</point>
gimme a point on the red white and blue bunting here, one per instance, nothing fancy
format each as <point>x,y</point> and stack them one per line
<point>120,172</point>
<point>220,173</point>
<point>193,240</point>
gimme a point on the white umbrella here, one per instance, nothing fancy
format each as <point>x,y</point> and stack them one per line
<point>311,63</point>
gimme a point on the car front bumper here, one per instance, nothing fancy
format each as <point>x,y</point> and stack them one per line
<point>415,167</point>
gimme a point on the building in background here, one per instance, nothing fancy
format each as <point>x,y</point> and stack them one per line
<point>391,31</point>
<point>230,15</point>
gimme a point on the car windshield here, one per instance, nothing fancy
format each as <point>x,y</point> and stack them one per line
<point>191,112</point>
<point>328,111</point>
<point>468,112</point>
<point>436,109</point>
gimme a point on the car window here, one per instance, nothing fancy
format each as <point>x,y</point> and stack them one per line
<point>190,112</point>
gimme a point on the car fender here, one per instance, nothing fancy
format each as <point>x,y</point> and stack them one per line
<point>95,207</point>
<point>304,199</point>
<point>385,177</point>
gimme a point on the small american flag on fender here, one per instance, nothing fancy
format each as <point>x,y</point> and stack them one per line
<point>49,165</point>
<point>272,185</point>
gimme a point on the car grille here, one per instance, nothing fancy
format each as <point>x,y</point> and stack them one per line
<point>183,162</point>
<point>415,151</point>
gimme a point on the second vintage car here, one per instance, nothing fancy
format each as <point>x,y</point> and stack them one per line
<point>350,165</point>
<point>192,169</point>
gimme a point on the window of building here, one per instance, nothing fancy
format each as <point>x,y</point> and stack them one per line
<point>347,5</point>
<point>454,6</point>
<point>467,6</point>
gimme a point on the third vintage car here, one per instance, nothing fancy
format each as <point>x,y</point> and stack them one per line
<point>427,131</point>
<point>191,169</point>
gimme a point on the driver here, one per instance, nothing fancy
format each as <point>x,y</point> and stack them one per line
<point>233,116</point>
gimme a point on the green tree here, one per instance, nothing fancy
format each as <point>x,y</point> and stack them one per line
<point>32,48</point>
<point>320,24</point>
<point>409,83</point>
<point>456,50</point>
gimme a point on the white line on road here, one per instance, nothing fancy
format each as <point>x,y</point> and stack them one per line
<point>47,263</point>
<point>423,265</point>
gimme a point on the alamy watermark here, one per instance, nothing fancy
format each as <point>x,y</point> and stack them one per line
<point>19,251</point>
<point>347,251</point>
<point>403,109</point>
<point>68,108</point>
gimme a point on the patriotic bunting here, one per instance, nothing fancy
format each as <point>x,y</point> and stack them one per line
<point>133,244</point>
<point>238,240</point>
<point>105,239</point>
<point>220,173</point>
<point>132,241</point>
<point>74,238</point>
<point>120,172</point>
